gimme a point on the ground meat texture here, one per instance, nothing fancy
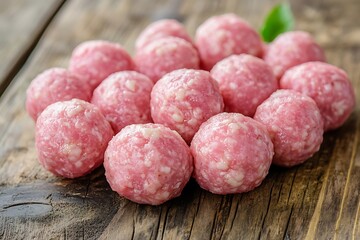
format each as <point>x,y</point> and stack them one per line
<point>160,29</point>
<point>245,82</point>
<point>165,55</point>
<point>183,99</point>
<point>224,35</point>
<point>290,49</point>
<point>328,85</point>
<point>124,99</point>
<point>295,126</point>
<point>232,154</point>
<point>71,138</point>
<point>148,163</point>
<point>54,85</point>
<point>94,60</point>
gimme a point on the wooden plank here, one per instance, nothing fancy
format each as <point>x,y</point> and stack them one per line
<point>317,200</point>
<point>21,24</point>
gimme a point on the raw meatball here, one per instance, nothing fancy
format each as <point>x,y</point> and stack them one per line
<point>165,55</point>
<point>93,61</point>
<point>54,85</point>
<point>290,49</point>
<point>328,85</point>
<point>148,163</point>
<point>232,154</point>
<point>183,99</point>
<point>71,138</point>
<point>224,35</point>
<point>245,82</point>
<point>295,126</point>
<point>124,99</point>
<point>160,29</point>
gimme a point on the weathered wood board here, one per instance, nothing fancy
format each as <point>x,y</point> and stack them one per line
<point>317,200</point>
<point>22,23</point>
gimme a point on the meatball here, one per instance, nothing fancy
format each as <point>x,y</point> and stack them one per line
<point>71,138</point>
<point>328,85</point>
<point>232,153</point>
<point>295,126</point>
<point>148,163</point>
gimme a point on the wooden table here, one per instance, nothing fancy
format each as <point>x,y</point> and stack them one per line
<point>317,200</point>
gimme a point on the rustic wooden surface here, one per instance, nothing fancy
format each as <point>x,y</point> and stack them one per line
<point>317,200</point>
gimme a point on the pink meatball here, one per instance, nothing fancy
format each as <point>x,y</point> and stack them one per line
<point>290,49</point>
<point>245,82</point>
<point>225,35</point>
<point>54,85</point>
<point>232,154</point>
<point>160,29</point>
<point>328,85</point>
<point>165,55</point>
<point>124,99</point>
<point>295,126</point>
<point>71,138</point>
<point>183,99</point>
<point>93,61</point>
<point>148,163</point>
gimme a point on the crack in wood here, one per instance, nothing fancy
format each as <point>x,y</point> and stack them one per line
<point>292,184</point>
<point>236,211</point>
<point>267,211</point>
<point>212,226</point>
<point>286,235</point>
<point>348,176</point>
<point>196,213</point>
<point>165,221</point>
<point>227,217</point>
<point>25,203</point>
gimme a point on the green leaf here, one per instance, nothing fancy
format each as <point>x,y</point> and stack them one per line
<point>280,19</point>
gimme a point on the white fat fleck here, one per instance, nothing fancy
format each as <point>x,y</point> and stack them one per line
<point>190,82</point>
<point>147,163</point>
<point>72,151</point>
<point>177,185</point>
<point>304,134</point>
<point>165,169</point>
<point>230,141</point>
<point>150,187</point>
<point>180,95</point>
<point>234,127</point>
<point>66,124</point>
<point>95,132</point>
<point>227,156</point>
<point>177,118</point>
<point>72,111</point>
<point>262,170</point>
<point>222,165</point>
<point>78,164</point>
<point>131,85</point>
<point>235,180</point>
<point>233,86</point>
<point>151,133</point>
<point>197,113</point>
<point>327,88</point>
<point>163,195</point>
<point>192,122</point>
<point>168,48</point>
<point>339,108</point>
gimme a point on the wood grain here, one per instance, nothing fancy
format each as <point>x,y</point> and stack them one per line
<point>317,200</point>
<point>21,25</point>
